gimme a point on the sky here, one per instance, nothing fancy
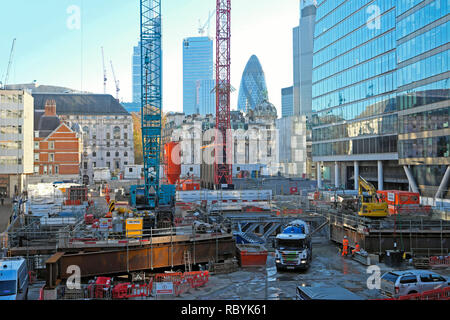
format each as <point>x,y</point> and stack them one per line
<point>53,47</point>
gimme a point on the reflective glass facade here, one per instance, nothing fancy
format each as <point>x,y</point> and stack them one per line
<point>198,65</point>
<point>381,84</point>
<point>287,102</point>
<point>354,79</point>
<point>253,89</point>
<point>137,74</point>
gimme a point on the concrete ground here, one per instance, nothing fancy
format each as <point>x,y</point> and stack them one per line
<point>5,214</point>
<point>327,268</point>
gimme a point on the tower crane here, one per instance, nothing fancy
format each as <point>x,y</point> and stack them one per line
<point>152,195</point>
<point>8,69</point>
<point>222,165</point>
<point>117,83</point>
<point>104,72</point>
<point>201,29</point>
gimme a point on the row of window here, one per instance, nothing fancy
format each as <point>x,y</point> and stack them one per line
<point>11,145</point>
<point>363,53</point>
<point>419,19</point>
<point>108,154</point>
<point>405,5</point>
<point>362,109</point>
<point>424,42</point>
<point>10,160</point>
<point>382,64</point>
<point>324,7</point>
<point>362,90</point>
<point>425,68</point>
<point>437,147</point>
<point>425,121</point>
<point>46,169</point>
<point>108,144</point>
<point>376,126</point>
<point>11,98</point>
<point>108,164</point>
<point>341,23</point>
<point>430,93</point>
<point>51,157</point>
<point>386,144</point>
<point>51,145</point>
<point>354,39</point>
<point>11,114</point>
<point>11,129</point>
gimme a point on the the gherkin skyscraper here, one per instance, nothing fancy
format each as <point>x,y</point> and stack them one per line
<point>253,89</point>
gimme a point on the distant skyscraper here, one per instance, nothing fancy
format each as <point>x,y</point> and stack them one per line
<point>253,89</point>
<point>137,74</point>
<point>198,65</point>
<point>287,102</point>
<point>303,41</point>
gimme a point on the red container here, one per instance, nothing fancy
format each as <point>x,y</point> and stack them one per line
<point>173,163</point>
<point>252,255</point>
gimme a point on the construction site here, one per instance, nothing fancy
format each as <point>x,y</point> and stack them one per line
<point>166,237</point>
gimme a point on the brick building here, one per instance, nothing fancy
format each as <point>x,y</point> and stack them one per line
<point>56,147</point>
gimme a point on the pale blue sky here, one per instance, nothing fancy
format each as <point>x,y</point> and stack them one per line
<point>51,53</point>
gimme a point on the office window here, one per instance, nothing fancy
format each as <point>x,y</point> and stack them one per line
<point>36,145</point>
<point>94,164</point>
<point>36,157</point>
<point>51,145</point>
<point>125,154</point>
<point>94,154</point>
<point>117,154</point>
<point>108,154</point>
<point>36,169</point>
<point>116,133</point>
<point>85,165</point>
<point>51,157</point>
<point>56,169</point>
<point>45,169</point>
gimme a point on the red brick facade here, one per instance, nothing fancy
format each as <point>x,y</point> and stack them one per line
<point>59,153</point>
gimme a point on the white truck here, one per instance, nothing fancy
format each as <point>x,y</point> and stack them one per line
<point>14,279</point>
<point>293,248</point>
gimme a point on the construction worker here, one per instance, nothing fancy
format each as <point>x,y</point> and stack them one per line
<point>357,248</point>
<point>345,246</point>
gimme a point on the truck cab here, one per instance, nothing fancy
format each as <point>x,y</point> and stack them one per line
<point>13,279</point>
<point>293,248</point>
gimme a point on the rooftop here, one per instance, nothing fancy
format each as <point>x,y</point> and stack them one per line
<point>80,104</point>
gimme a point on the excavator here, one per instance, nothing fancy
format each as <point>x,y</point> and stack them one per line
<point>370,206</point>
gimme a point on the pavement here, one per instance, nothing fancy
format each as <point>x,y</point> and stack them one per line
<point>5,214</point>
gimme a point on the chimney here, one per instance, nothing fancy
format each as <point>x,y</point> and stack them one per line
<point>50,108</point>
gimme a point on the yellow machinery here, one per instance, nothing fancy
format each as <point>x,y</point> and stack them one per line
<point>369,206</point>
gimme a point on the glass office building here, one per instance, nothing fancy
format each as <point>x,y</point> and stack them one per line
<point>198,65</point>
<point>374,63</point>
<point>137,74</point>
<point>253,89</point>
<point>287,102</point>
<point>423,34</point>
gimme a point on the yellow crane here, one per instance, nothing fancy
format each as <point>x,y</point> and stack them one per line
<point>370,206</point>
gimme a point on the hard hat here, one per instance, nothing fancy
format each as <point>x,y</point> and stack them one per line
<point>345,237</point>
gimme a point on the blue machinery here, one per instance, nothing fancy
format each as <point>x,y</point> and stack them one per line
<point>152,194</point>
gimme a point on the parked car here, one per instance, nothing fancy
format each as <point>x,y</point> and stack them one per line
<point>400,283</point>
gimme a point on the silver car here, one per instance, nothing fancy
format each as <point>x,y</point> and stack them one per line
<point>400,283</point>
